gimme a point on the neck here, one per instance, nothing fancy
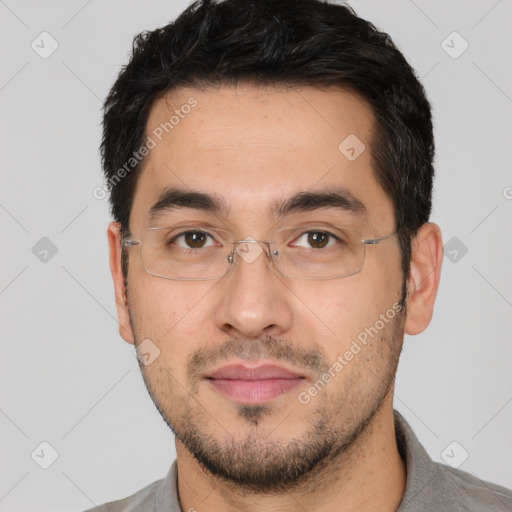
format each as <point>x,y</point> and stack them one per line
<point>369,476</point>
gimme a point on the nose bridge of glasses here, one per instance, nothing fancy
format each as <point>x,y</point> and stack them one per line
<point>250,249</point>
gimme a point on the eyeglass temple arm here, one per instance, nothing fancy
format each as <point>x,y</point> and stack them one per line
<point>374,241</point>
<point>129,243</point>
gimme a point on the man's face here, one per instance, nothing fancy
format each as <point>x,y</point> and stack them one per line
<point>253,148</point>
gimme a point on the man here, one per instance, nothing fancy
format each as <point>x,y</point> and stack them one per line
<point>270,174</point>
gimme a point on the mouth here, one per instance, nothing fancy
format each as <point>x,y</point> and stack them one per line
<point>253,384</point>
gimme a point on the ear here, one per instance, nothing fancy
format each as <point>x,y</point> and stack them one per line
<point>114,244</point>
<point>423,277</point>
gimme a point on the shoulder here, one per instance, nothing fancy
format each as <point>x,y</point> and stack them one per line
<point>433,486</point>
<point>467,492</point>
<point>141,501</point>
<point>161,495</point>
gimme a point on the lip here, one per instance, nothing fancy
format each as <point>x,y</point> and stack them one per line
<point>246,372</point>
<point>253,384</point>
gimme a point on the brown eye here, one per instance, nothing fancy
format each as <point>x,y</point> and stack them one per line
<point>195,239</point>
<point>318,239</point>
<point>192,240</point>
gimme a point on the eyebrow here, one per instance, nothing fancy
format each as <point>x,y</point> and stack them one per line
<point>339,198</point>
<point>175,198</point>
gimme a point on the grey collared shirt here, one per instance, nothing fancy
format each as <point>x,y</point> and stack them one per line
<point>430,487</point>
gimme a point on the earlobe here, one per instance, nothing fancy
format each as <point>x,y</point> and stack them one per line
<point>423,278</point>
<point>114,244</point>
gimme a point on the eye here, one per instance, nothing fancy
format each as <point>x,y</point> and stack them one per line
<point>193,240</point>
<point>315,240</point>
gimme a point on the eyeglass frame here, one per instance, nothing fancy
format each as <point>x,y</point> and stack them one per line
<point>130,242</point>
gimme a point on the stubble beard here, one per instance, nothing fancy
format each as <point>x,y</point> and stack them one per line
<point>255,464</point>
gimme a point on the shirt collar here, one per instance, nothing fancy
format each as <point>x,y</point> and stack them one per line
<point>421,469</point>
<point>166,499</point>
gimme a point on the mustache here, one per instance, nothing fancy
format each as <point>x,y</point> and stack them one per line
<point>269,347</point>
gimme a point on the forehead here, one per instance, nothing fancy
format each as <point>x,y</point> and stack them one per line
<point>256,145</point>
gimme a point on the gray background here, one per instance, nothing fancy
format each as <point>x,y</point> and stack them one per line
<point>67,378</point>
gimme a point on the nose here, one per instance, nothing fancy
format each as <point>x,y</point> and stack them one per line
<point>253,302</point>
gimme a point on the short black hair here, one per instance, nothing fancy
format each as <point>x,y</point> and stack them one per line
<point>278,42</point>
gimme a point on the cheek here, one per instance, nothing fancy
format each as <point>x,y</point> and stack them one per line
<point>169,312</point>
<point>168,318</point>
<point>344,308</point>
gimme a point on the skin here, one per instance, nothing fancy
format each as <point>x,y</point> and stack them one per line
<point>253,146</point>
